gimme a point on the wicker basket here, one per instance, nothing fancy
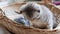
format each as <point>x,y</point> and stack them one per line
<point>17,28</point>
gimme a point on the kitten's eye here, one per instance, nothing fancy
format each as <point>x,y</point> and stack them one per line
<point>39,11</point>
<point>21,12</point>
<point>17,12</point>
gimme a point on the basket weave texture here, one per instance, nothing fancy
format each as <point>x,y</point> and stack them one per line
<point>21,29</point>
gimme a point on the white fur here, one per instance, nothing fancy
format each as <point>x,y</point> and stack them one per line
<point>11,14</point>
<point>45,14</point>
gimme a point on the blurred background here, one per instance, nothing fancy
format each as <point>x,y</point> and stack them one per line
<point>24,0</point>
<point>9,2</point>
